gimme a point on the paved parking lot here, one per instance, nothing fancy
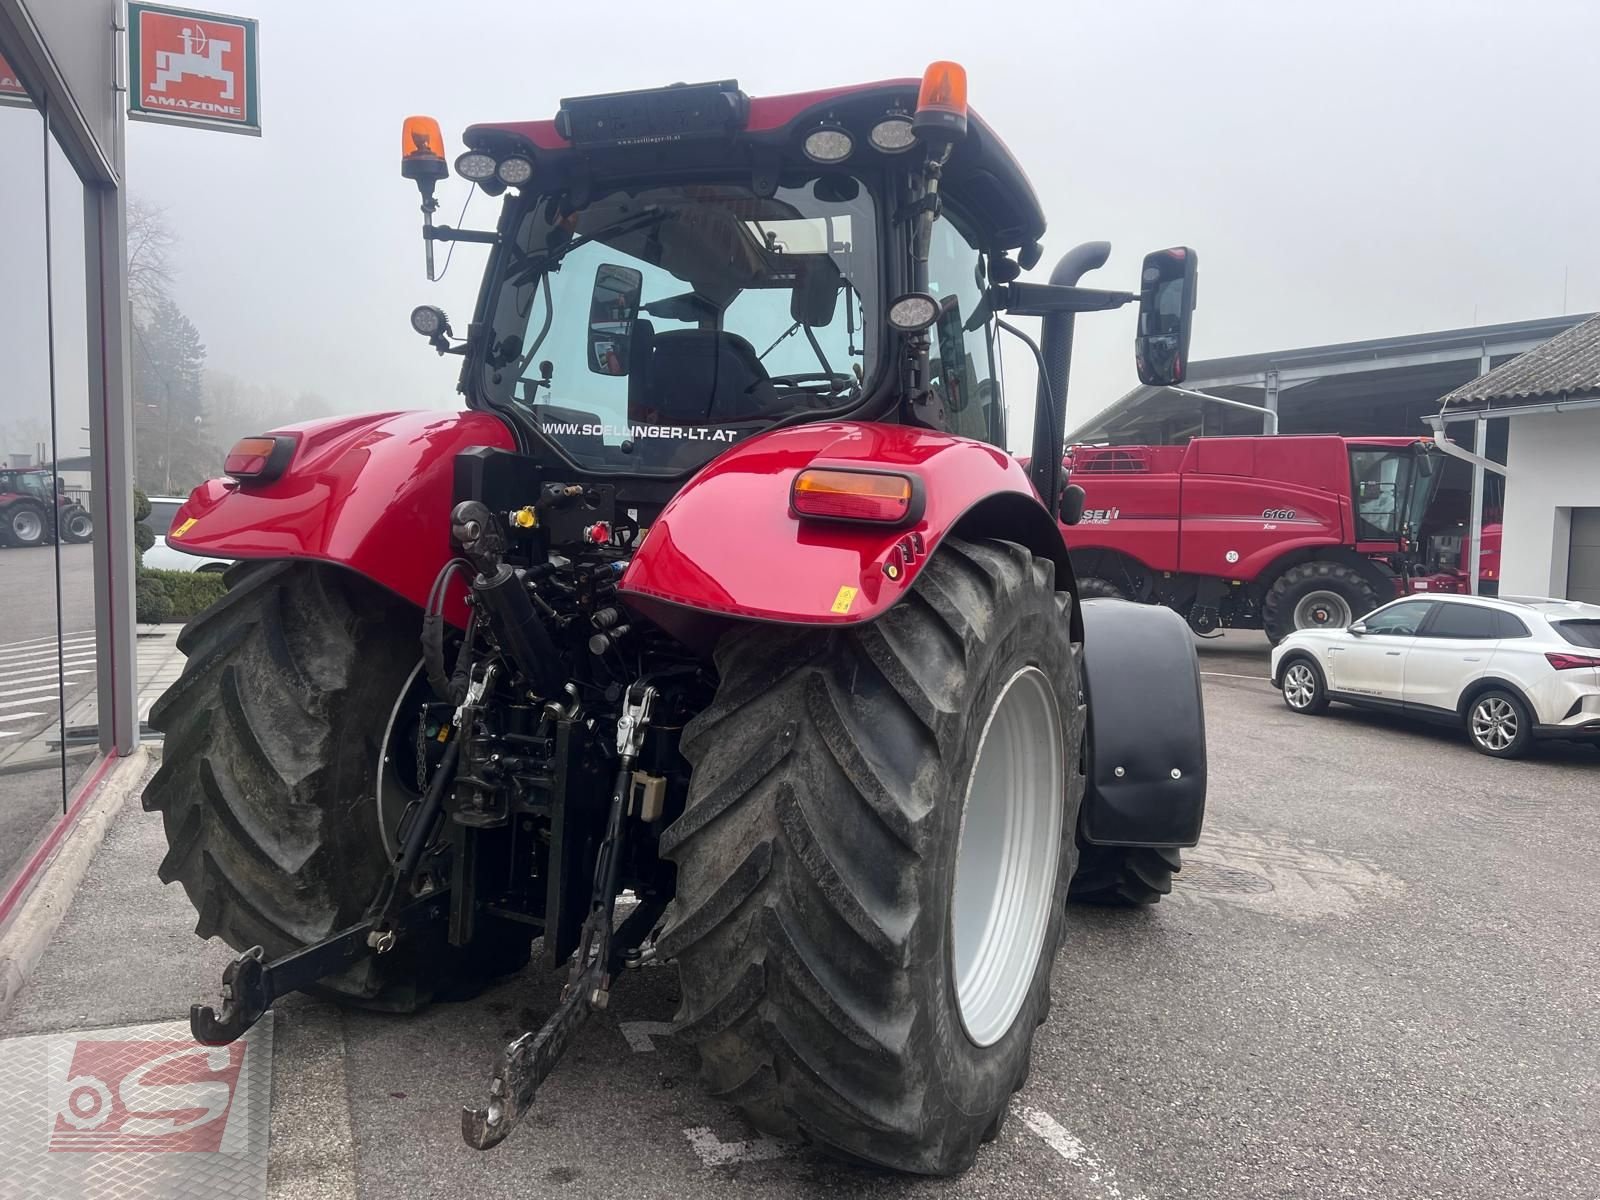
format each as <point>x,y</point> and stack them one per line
<point>1379,976</point>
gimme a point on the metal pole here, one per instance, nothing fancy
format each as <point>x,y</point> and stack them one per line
<point>1269,417</point>
<point>1480,444</point>
<point>1269,424</point>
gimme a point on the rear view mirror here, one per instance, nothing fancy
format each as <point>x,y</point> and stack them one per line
<point>1072,498</point>
<point>1166,312</point>
<point>613,308</point>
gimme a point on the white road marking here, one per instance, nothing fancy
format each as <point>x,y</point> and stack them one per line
<point>22,716</point>
<point>1075,1152</point>
<point>24,703</point>
<point>41,676</point>
<point>32,690</point>
<point>714,1152</point>
<point>46,641</point>
<point>1226,675</point>
<point>639,1034</point>
<point>45,658</point>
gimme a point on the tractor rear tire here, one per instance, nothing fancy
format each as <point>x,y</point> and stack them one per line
<point>27,524</point>
<point>817,925</point>
<point>1349,597</point>
<point>1091,587</point>
<point>1124,876</point>
<point>270,769</point>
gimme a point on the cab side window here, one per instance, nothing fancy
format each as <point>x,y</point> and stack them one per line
<point>1402,620</point>
<point>961,363</point>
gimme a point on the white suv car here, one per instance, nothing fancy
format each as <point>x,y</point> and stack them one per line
<point>1509,669</point>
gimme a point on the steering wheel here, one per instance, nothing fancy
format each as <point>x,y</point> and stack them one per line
<point>834,379</point>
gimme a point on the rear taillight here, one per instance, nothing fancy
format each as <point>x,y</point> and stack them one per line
<point>880,497</point>
<point>258,459</point>
<point>1571,662</point>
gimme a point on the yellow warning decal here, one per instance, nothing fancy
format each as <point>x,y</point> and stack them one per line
<point>845,598</point>
<point>184,528</point>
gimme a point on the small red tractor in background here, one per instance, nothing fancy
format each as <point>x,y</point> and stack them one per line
<point>730,601</point>
<point>33,512</point>
<point>1274,533</point>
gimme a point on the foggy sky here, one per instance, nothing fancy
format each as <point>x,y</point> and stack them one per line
<point>1345,170</point>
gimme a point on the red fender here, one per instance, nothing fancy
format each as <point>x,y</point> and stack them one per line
<point>370,492</point>
<point>728,545</point>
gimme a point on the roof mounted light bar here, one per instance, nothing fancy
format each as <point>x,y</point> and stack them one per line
<point>678,113</point>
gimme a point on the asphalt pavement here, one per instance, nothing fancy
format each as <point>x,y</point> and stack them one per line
<point>1378,976</point>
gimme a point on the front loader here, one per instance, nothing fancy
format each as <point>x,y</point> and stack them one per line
<point>719,630</point>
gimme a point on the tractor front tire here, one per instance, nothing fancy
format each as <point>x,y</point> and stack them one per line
<point>1313,595</point>
<point>270,770</point>
<point>1124,876</point>
<point>837,977</point>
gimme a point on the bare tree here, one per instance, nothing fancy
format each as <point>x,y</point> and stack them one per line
<point>150,243</point>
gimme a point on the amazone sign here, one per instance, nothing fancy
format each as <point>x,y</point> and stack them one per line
<point>193,68</point>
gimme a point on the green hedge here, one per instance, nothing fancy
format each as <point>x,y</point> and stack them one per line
<point>176,595</point>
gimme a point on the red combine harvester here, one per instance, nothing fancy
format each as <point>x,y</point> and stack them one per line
<point>1274,533</point>
<point>730,603</point>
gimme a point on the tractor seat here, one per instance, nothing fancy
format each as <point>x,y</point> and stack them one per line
<point>694,377</point>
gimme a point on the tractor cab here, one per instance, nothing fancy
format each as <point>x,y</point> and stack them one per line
<point>677,270</point>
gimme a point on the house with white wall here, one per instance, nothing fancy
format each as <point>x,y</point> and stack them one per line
<point>1550,399</point>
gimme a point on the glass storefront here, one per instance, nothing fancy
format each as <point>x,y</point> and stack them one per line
<point>49,514</point>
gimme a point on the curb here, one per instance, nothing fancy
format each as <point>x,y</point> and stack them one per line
<point>24,940</point>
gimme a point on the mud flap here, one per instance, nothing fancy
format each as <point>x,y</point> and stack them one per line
<point>1147,739</point>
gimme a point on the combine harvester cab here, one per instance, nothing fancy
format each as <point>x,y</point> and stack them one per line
<point>1274,533</point>
<point>730,599</point>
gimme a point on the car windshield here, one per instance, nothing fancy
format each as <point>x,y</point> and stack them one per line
<point>652,328</point>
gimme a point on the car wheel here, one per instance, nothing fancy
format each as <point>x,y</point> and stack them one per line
<point>1499,725</point>
<point>1303,689</point>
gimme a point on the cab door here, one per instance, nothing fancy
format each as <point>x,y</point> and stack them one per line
<point>1372,663</point>
<point>1451,650</point>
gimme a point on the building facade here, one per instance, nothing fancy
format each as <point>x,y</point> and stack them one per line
<point>1549,400</point>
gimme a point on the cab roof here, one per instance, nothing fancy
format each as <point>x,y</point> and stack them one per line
<point>983,178</point>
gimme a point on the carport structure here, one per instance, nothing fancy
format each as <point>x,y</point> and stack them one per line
<point>1384,386</point>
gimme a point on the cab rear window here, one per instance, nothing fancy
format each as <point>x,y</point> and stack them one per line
<point>1579,633</point>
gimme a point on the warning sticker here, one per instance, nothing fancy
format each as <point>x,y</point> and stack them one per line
<point>845,598</point>
<point>184,528</point>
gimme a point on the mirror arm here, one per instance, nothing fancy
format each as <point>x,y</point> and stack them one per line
<point>445,233</point>
<point>1042,299</point>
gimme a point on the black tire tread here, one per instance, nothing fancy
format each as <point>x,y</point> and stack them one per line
<point>269,729</point>
<point>1124,876</point>
<point>816,775</point>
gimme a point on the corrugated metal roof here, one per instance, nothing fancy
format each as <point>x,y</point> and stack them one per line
<point>1568,365</point>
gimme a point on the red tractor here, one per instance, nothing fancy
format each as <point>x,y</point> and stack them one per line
<point>1273,533</point>
<point>743,643</point>
<point>33,512</point>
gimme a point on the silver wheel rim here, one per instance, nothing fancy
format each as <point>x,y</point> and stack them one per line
<point>27,526</point>
<point>1494,723</point>
<point>80,526</point>
<point>1322,610</point>
<point>1007,856</point>
<point>1299,685</point>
